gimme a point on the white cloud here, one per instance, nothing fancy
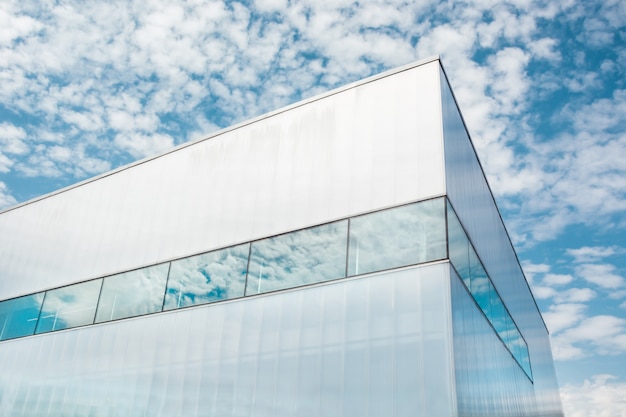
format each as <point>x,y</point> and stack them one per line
<point>6,199</point>
<point>557,279</point>
<point>600,396</point>
<point>140,145</point>
<point>12,139</point>
<point>598,335</point>
<point>575,295</point>
<point>563,316</point>
<point>603,275</point>
<point>591,253</point>
<point>5,163</point>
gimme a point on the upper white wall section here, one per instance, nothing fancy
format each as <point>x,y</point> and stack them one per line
<point>370,145</point>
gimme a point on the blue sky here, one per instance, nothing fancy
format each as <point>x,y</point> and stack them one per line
<point>87,86</point>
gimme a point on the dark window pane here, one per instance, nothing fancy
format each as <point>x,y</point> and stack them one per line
<point>18,317</point>
<point>132,293</point>
<point>397,237</point>
<point>303,257</point>
<point>70,306</point>
<point>212,276</point>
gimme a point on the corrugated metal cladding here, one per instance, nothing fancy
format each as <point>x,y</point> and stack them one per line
<point>373,145</point>
<point>403,335</point>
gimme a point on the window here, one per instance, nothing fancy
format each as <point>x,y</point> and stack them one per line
<point>132,293</point>
<point>70,306</point>
<point>397,237</point>
<point>311,255</point>
<point>213,276</point>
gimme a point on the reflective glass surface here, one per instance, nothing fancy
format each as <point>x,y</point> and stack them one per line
<point>458,246</point>
<point>498,315</point>
<point>132,293</point>
<point>480,285</point>
<point>70,306</point>
<point>488,380</point>
<point>18,317</point>
<point>312,255</point>
<point>397,237</point>
<point>209,277</point>
<point>375,346</point>
<point>477,281</point>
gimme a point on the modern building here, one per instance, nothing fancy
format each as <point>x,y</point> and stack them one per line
<point>343,256</point>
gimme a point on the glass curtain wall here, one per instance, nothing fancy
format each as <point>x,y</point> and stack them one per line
<point>400,236</point>
<point>472,272</point>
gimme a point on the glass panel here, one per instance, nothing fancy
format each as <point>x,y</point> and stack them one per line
<point>70,306</point>
<point>132,293</point>
<point>458,246</point>
<point>212,276</point>
<point>306,256</point>
<point>18,317</point>
<point>525,362</point>
<point>397,237</point>
<point>481,286</point>
<point>511,337</point>
<point>498,312</point>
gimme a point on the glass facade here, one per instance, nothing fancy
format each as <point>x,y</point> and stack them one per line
<point>473,275</point>
<point>356,347</point>
<point>424,310</point>
<point>406,235</point>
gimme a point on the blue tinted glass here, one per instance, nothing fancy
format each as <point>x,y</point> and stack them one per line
<point>458,245</point>
<point>511,335</point>
<point>18,317</point>
<point>212,276</point>
<point>312,255</point>
<point>498,315</point>
<point>396,237</point>
<point>70,306</point>
<point>525,359</point>
<point>132,293</point>
<point>480,286</point>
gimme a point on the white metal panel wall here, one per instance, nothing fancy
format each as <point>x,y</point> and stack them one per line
<point>374,144</point>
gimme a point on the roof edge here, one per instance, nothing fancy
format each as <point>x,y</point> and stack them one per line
<point>236,126</point>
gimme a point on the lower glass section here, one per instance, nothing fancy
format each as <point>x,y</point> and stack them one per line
<point>489,382</point>
<point>473,275</point>
<point>371,346</point>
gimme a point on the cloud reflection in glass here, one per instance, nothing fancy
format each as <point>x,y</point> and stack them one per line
<point>18,316</point>
<point>132,293</point>
<point>71,306</point>
<point>397,237</point>
<point>312,255</point>
<point>213,276</point>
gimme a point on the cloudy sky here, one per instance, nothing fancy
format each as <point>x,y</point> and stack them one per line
<point>87,86</point>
